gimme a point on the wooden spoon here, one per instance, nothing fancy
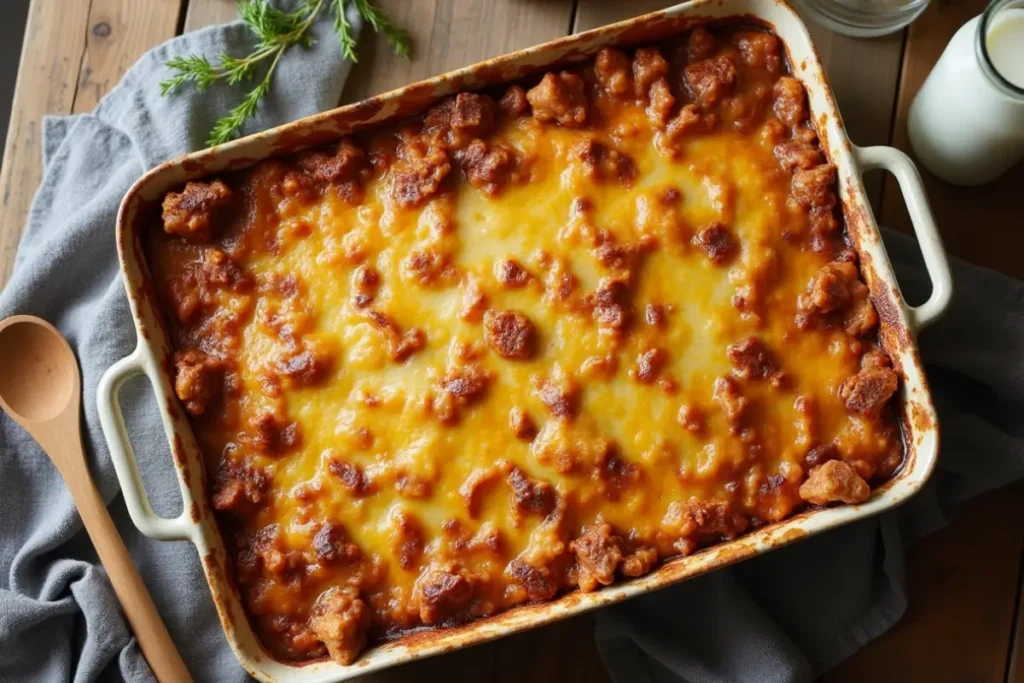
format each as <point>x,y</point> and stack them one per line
<point>41,389</point>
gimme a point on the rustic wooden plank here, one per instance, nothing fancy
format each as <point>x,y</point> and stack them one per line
<point>980,224</point>
<point>202,13</point>
<point>449,34</point>
<point>863,73</point>
<point>119,32</point>
<point>961,584</point>
<point>52,52</point>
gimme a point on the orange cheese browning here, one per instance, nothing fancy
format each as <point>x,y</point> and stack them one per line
<point>528,342</point>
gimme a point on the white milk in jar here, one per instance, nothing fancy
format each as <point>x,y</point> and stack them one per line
<point>966,125</point>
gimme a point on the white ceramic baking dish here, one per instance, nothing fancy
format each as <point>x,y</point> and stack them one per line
<point>899,326</point>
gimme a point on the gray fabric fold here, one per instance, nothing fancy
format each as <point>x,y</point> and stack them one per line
<point>784,617</point>
<point>795,613</point>
<point>59,618</point>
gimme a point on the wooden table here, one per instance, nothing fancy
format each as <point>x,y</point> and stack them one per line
<point>964,623</point>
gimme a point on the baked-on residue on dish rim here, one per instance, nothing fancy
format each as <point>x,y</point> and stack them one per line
<point>899,324</point>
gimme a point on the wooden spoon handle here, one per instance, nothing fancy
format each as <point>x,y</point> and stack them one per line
<point>154,640</point>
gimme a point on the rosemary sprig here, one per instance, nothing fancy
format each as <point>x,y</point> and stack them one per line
<point>276,32</point>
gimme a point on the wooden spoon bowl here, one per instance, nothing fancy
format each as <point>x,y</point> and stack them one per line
<point>40,388</point>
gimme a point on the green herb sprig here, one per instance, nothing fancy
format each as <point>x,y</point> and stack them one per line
<point>276,32</point>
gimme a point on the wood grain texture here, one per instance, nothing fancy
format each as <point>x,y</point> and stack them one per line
<point>118,33</point>
<point>203,13</point>
<point>449,34</point>
<point>54,43</point>
<point>961,583</point>
<point>980,224</point>
<point>863,73</point>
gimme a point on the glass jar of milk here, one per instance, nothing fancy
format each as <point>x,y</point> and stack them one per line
<point>966,125</point>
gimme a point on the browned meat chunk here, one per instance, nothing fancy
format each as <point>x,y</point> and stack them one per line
<point>710,80</point>
<point>598,554</point>
<point>511,273</point>
<point>530,496</point>
<point>604,164</point>
<point>473,487</point>
<point>649,364</point>
<point>829,289</point>
<point>834,482</point>
<point>421,167</point>
<point>820,454</point>
<point>349,163</point>
<point>790,101</point>
<point>655,314</point>
<point>813,188</point>
<point>400,346</point>
<point>752,359</point>
<point>332,545</point>
<point>717,242</point>
<point>513,102</point>
<point>190,213</point>
<point>521,424</point>
<point>734,405</point>
<point>308,364</point>
<point>340,621</point>
<point>559,97</point>
<point>793,155</point>
<point>408,539</point>
<point>462,118</point>
<point>488,167</point>
<point>708,520</point>
<point>239,487</point>
<point>640,562</point>
<point>837,288</point>
<point>690,418</point>
<point>220,272</point>
<point>699,45</point>
<point>760,49</point>
<point>430,266</point>
<point>440,592</point>
<point>365,281</point>
<point>511,334</point>
<point>197,379</point>
<point>860,317</point>
<point>648,67</point>
<point>661,102</point>
<point>611,304</point>
<point>274,434</point>
<point>351,476</point>
<point>458,388</point>
<point>539,583</point>
<point>687,122</point>
<point>869,390</point>
<point>559,394</point>
<point>611,66</point>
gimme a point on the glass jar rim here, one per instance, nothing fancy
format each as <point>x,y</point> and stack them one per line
<point>1000,81</point>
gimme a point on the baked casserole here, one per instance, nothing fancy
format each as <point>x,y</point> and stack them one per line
<point>531,341</point>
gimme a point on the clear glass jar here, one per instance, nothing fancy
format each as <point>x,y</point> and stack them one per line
<point>863,18</point>
<point>966,124</point>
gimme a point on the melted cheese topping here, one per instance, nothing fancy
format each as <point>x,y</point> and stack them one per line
<point>364,477</point>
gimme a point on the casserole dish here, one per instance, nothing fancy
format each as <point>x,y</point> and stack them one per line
<point>152,356</point>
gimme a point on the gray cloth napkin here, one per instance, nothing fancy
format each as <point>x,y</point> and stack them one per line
<point>764,620</point>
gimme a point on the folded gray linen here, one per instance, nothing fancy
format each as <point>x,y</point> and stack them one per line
<point>764,620</point>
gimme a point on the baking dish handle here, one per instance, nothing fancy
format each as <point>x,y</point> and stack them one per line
<point>123,456</point>
<point>900,165</point>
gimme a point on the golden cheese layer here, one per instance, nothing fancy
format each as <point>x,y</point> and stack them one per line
<point>524,344</point>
